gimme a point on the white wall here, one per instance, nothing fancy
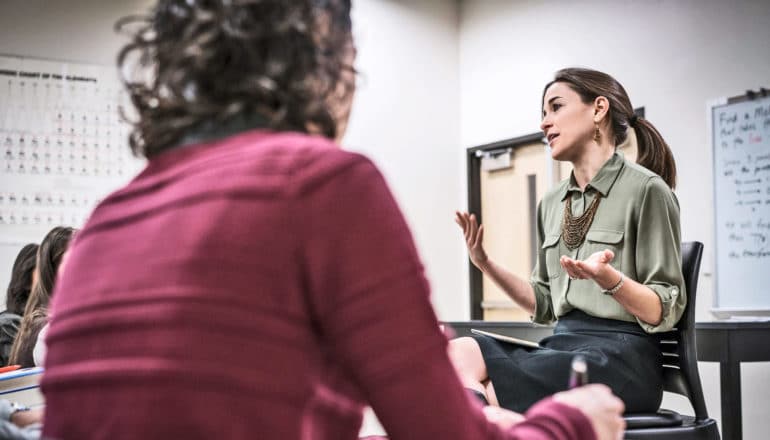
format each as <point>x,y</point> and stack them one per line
<point>406,118</point>
<point>672,56</point>
<point>76,31</point>
<point>406,115</point>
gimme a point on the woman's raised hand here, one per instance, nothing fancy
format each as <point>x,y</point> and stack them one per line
<point>474,237</point>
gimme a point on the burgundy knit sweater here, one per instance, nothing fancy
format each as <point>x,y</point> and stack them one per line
<point>264,286</point>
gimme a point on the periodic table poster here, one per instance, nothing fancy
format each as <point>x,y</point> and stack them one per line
<point>63,148</point>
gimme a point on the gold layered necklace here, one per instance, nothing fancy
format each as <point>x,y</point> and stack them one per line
<point>574,229</point>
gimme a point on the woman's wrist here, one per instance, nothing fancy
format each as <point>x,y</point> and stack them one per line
<point>610,279</point>
<point>482,265</point>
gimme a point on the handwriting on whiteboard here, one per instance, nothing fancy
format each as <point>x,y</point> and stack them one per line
<point>743,136</point>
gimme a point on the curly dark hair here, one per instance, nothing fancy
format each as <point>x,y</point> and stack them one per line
<point>21,279</point>
<point>195,62</point>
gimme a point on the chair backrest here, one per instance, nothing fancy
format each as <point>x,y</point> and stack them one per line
<point>680,361</point>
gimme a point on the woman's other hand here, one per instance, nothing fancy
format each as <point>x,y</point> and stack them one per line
<point>474,237</point>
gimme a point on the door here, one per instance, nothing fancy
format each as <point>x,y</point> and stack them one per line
<point>509,200</point>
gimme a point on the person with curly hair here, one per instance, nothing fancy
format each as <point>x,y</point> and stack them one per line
<point>255,280</point>
<point>16,298</point>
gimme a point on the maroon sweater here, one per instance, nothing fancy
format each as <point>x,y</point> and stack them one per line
<point>260,287</point>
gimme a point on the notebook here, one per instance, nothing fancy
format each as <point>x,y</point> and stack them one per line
<point>22,386</point>
<point>508,339</point>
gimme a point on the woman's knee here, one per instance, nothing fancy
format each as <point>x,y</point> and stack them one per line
<point>467,359</point>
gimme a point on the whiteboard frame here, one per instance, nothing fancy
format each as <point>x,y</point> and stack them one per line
<point>723,312</point>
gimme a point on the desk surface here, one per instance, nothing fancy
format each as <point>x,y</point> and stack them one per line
<point>732,325</point>
<point>732,341</point>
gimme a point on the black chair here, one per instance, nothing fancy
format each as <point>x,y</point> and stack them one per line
<point>680,372</point>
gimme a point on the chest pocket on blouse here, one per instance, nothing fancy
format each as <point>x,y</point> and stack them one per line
<point>552,255</point>
<point>600,240</point>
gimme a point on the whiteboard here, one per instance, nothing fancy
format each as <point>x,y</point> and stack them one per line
<point>63,147</point>
<point>741,151</point>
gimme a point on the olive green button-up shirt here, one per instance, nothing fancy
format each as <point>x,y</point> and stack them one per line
<point>637,219</point>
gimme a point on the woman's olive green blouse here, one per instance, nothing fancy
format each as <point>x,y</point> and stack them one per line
<point>637,219</point>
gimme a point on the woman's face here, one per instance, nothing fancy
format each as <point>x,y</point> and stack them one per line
<point>568,123</point>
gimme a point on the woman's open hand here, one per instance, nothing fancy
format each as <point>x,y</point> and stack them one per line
<point>474,237</point>
<point>596,267</point>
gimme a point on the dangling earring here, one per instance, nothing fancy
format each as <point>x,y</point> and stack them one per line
<point>597,134</point>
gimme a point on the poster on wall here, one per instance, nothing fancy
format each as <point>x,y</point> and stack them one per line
<point>63,147</point>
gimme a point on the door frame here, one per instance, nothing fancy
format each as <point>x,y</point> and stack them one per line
<point>473,160</point>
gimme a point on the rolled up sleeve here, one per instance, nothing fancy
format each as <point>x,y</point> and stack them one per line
<point>540,280</point>
<point>658,253</point>
<point>543,306</point>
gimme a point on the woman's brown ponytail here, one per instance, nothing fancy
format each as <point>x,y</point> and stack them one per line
<point>653,152</point>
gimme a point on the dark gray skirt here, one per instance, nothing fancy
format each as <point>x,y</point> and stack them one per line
<point>619,354</point>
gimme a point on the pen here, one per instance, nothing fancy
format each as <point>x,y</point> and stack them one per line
<point>578,375</point>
